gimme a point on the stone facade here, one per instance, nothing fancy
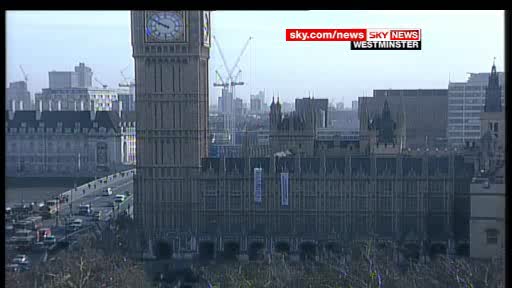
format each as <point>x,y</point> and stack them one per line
<point>408,198</point>
<point>128,137</point>
<point>487,222</point>
<point>488,190</point>
<point>171,83</point>
<point>62,144</point>
<point>339,189</point>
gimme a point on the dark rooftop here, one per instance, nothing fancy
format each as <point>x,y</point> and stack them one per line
<point>106,119</point>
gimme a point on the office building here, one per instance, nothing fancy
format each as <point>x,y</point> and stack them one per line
<point>80,78</point>
<point>76,99</point>
<point>17,97</point>
<point>319,106</point>
<point>83,75</point>
<point>354,105</point>
<point>424,111</point>
<point>62,79</point>
<point>257,103</point>
<point>465,103</point>
<point>343,120</point>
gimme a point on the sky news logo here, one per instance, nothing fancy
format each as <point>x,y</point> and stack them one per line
<point>389,39</point>
<point>362,39</point>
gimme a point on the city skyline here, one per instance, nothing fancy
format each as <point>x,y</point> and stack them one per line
<point>412,178</point>
<point>346,74</point>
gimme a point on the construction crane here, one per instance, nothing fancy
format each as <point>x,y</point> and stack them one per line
<point>25,76</point>
<point>98,81</point>
<point>222,84</point>
<point>126,79</point>
<point>230,82</point>
<point>239,57</point>
<point>234,82</point>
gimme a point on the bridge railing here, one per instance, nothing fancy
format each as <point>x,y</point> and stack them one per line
<point>97,184</point>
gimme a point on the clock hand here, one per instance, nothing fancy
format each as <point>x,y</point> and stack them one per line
<point>166,26</point>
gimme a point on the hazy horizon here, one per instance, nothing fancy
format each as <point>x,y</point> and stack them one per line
<point>59,40</point>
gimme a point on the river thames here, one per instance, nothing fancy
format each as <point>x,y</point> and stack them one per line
<point>37,189</point>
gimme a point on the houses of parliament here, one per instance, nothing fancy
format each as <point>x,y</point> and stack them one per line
<point>298,194</point>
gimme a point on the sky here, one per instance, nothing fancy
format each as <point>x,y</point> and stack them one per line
<point>454,43</point>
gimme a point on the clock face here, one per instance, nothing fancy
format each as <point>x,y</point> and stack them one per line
<point>165,26</point>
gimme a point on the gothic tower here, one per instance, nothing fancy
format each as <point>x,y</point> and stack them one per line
<point>492,125</point>
<point>493,92</point>
<point>171,52</point>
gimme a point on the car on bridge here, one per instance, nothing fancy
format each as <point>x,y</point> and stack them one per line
<point>107,192</point>
<point>20,259</point>
<point>120,198</point>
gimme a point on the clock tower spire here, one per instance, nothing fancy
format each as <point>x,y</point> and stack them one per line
<point>171,52</point>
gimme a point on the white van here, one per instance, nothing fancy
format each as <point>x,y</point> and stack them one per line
<point>107,192</point>
<point>119,198</point>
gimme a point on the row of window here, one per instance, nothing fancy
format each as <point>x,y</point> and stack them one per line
<point>466,134</point>
<point>463,127</point>
<point>467,114</point>
<point>468,107</point>
<point>455,87</point>
<point>51,148</point>
<point>382,224</point>
<point>462,121</point>
<point>359,203</point>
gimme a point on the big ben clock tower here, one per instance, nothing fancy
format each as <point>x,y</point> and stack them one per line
<point>171,52</point>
